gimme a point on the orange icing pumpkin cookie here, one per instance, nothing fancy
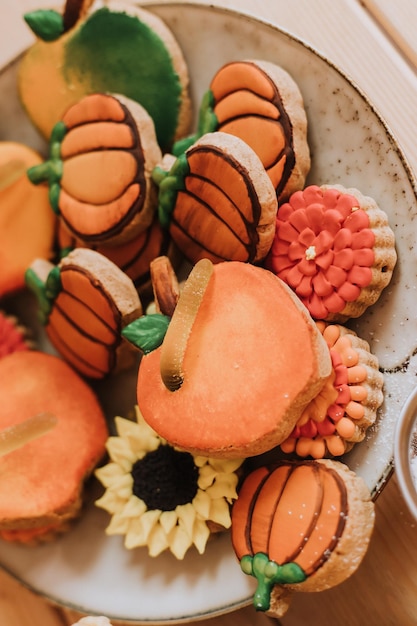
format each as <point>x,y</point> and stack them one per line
<point>102,153</point>
<point>84,303</point>
<point>228,380</point>
<point>347,405</point>
<point>160,497</point>
<point>13,336</point>
<point>260,102</point>
<point>334,247</point>
<point>117,48</point>
<point>217,201</point>
<point>27,224</point>
<point>300,526</point>
<point>41,483</point>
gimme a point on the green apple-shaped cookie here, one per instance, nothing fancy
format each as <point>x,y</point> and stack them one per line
<point>118,48</point>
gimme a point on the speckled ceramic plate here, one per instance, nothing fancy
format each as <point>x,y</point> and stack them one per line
<point>350,145</point>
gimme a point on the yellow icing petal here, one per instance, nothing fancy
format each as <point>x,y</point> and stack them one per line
<point>107,473</point>
<point>157,542</point>
<point>186,517</point>
<point>201,536</point>
<point>168,520</point>
<point>206,476</point>
<point>117,526</point>
<point>220,513</point>
<point>201,503</point>
<point>227,466</point>
<point>134,507</point>
<point>180,541</point>
<point>121,452</point>
<point>110,502</point>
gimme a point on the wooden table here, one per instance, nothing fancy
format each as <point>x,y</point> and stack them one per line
<point>373,41</point>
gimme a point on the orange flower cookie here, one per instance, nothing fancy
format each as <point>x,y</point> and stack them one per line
<point>27,224</point>
<point>260,102</point>
<point>347,405</point>
<point>300,526</point>
<point>217,201</point>
<point>84,302</point>
<point>227,380</point>
<point>335,249</point>
<point>102,153</point>
<point>42,481</point>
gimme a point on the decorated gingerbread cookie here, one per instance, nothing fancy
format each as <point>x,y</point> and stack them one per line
<point>84,303</point>
<point>217,201</point>
<point>117,48</point>
<point>334,247</point>
<point>102,153</point>
<point>300,526</point>
<point>260,102</point>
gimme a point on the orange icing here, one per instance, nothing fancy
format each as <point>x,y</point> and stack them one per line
<point>102,135</point>
<point>293,512</point>
<point>248,130</point>
<point>323,249</point>
<point>92,108</point>
<point>243,102</point>
<point>329,420</point>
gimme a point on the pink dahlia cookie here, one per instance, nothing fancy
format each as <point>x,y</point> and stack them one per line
<point>13,337</point>
<point>347,405</point>
<point>334,247</point>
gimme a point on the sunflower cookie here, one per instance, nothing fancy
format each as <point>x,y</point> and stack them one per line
<point>161,497</point>
<point>334,247</point>
<point>340,415</point>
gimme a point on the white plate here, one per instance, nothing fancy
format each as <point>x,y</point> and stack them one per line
<point>350,145</point>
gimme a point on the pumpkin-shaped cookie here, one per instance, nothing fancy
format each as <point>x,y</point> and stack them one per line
<point>304,526</point>
<point>102,153</point>
<point>85,301</point>
<point>218,201</point>
<point>260,102</point>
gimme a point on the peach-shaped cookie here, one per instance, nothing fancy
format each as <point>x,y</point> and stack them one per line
<point>41,482</point>
<point>217,200</point>
<point>102,153</point>
<point>27,224</point>
<point>84,302</point>
<point>259,102</point>
<point>239,362</point>
<point>300,526</point>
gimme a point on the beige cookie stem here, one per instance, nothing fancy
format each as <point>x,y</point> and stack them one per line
<point>18,435</point>
<point>165,285</point>
<point>179,329</point>
<point>74,10</point>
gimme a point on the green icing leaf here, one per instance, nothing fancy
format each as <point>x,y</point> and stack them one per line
<point>147,332</point>
<point>45,291</point>
<point>46,24</point>
<point>169,184</point>
<point>269,573</point>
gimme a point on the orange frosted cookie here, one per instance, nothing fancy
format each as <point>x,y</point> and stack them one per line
<point>41,482</point>
<point>228,380</point>
<point>260,102</point>
<point>84,303</point>
<point>162,498</point>
<point>347,405</point>
<point>102,153</point>
<point>334,247</point>
<point>300,526</point>
<point>27,224</point>
<point>217,201</point>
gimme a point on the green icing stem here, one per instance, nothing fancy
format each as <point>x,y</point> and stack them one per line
<point>169,184</point>
<point>207,123</point>
<point>45,291</point>
<point>269,573</point>
<point>147,332</point>
<point>118,53</point>
<point>50,171</point>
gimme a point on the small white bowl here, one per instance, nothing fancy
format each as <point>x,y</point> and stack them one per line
<point>405,451</point>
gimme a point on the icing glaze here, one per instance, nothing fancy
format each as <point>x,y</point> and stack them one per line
<point>114,49</point>
<point>323,249</point>
<point>218,202</point>
<point>176,520</point>
<point>97,137</point>
<point>286,523</point>
<point>346,406</point>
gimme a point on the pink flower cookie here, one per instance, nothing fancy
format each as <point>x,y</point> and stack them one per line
<point>335,249</point>
<point>347,405</point>
<point>13,338</point>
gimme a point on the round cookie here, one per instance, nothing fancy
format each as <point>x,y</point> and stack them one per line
<point>102,153</point>
<point>346,407</point>
<point>334,247</point>
<point>160,497</point>
<point>228,380</point>
<point>217,201</point>
<point>300,526</point>
<point>41,483</point>
<point>259,102</point>
<point>117,48</point>
<point>27,224</point>
<point>84,302</point>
